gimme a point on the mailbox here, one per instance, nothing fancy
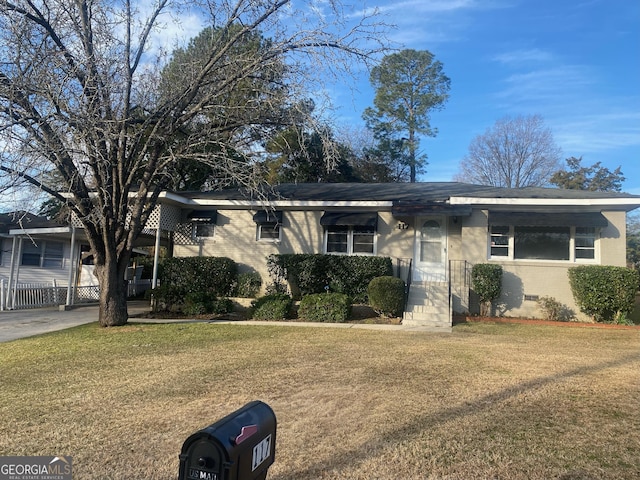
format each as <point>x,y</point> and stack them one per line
<point>240,446</point>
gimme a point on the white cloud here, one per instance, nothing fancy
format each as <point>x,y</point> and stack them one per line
<point>549,86</point>
<point>524,56</point>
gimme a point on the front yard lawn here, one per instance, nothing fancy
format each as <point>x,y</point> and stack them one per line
<point>487,401</point>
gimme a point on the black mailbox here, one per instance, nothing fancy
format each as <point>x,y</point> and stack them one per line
<point>240,446</point>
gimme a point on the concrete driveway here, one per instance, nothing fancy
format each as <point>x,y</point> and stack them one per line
<point>16,324</point>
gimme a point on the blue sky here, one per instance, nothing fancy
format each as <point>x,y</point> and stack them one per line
<point>576,63</point>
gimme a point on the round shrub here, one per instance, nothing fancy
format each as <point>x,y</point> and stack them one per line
<point>276,306</point>
<point>248,285</point>
<point>386,295</point>
<point>325,307</point>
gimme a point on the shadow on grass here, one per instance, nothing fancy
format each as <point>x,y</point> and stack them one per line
<point>360,454</point>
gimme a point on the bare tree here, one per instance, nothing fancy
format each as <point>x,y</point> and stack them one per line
<point>82,94</point>
<point>514,153</point>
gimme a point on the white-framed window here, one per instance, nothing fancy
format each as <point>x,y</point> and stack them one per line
<point>45,254</point>
<point>203,231</point>
<point>268,225</point>
<point>564,244</point>
<point>499,241</point>
<point>268,232</point>
<point>350,240</point>
<point>585,243</point>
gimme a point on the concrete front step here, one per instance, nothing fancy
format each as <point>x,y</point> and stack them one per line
<point>414,320</point>
<point>428,305</point>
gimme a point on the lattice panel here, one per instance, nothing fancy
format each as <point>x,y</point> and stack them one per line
<point>170,217</point>
<point>75,221</point>
<point>165,216</point>
<point>183,234</point>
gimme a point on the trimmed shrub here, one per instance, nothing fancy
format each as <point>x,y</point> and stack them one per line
<point>606,293</point>
<point>248,284</point>
<point>325,307</point>
<point>387,295</point>
<point>166,298</point>
<point>487,283</point>
<point>199,303</point>
<point>276,306</point>
<point>311,273</point>
<point>215,275</point>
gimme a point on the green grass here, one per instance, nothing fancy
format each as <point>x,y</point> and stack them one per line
<point>488,401</point>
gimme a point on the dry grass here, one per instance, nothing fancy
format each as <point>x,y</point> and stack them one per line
<point>488,401</point>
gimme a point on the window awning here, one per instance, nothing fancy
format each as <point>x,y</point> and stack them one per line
<point>351,219</point>
<point>268,217</point>
<point>531,219</point>
<point>203,216</point>
<point>418,209</point>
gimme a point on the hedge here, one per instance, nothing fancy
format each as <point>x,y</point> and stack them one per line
<point>308,274</point>
<point>606,293</point>
<point>215,275</point>
<point>325,307</point>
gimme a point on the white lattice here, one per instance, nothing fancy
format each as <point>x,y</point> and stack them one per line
<point>183,234</point>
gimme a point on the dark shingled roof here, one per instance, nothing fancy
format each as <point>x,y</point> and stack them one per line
<point>402,192</point>
<point>24,220</point>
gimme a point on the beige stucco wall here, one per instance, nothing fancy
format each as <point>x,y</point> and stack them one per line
<point>301,232</point>
<point>236,238</point>
<point>538,278</point>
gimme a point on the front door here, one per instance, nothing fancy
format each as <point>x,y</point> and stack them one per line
<point>430,254</point>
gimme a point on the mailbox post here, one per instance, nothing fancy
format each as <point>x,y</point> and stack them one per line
<point>240,446</point>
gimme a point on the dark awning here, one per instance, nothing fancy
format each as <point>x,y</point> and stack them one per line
<point>203,216</point>
<point>268,217</point>
<point>418,209</point>
<point>530,219</point>
<point>351,219</point>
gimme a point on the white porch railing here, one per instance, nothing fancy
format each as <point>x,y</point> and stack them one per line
<point>38,295</point>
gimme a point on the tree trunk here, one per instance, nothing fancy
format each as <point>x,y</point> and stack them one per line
<point>113,295</point>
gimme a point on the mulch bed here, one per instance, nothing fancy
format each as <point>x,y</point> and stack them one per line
<point>523,321</point>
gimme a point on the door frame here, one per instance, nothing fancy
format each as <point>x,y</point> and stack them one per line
<point>429,271</point>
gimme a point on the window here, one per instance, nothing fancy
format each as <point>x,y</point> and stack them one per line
<point>363,240</point>
<point>585,243</point>
<point>52,255</point>
<point>350,240</point>
<point>269,223</point>
<point>542,243</point>
<point>499,241</point>
<point>431,242</point>
<point>269,232</point>
<point>45,254</point>
<point>202,231</point>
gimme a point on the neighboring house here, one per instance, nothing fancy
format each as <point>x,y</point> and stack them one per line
<point>433,232</point>
<point>39,258</point>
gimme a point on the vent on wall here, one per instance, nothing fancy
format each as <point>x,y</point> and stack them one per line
<point>531,298</point>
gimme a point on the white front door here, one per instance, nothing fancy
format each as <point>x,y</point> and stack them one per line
<point>430,256</point>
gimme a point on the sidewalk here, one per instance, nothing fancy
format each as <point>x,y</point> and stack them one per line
<point>15,324</point>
